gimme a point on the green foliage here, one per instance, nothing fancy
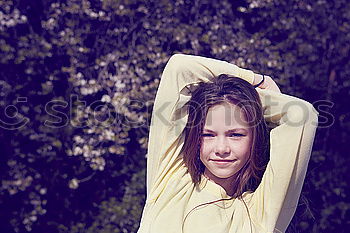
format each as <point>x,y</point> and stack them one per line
<point>89,71</point>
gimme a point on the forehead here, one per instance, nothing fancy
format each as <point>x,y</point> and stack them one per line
<point>225,115</point>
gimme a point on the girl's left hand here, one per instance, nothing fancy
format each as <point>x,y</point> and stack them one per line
<point>268,83</point>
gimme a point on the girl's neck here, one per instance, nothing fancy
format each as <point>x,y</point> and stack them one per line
<point>226,183</point>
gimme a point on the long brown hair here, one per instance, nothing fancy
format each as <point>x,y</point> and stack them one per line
<point>227,89</point>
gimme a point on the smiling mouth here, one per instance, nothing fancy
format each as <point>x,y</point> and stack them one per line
<point>223,160</point>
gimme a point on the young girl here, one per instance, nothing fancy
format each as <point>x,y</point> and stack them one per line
<point>207,151</point>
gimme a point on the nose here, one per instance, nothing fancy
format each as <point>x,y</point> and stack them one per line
<point>222,147</point>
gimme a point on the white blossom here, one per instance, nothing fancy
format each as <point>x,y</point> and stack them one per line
<point>106,98</point>
<point>73,183</point>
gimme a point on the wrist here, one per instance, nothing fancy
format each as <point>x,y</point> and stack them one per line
<point>258,80</point>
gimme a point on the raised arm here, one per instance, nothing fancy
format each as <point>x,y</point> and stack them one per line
<point>169,118</point>
<point>276,198</point>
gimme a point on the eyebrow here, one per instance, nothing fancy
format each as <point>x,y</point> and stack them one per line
<point>228,131</point>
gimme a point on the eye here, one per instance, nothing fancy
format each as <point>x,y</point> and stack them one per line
<point>236,135</point>
<point>208,135</point>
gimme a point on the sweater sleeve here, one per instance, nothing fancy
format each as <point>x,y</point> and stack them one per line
<point>276,198</point>
<point>169,116</point>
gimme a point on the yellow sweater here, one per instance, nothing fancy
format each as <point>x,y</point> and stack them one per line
<point>171,195</point>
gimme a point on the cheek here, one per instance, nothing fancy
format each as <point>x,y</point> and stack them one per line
<point>205,148</point>
<point>242,148</point>
<point>202,149</point>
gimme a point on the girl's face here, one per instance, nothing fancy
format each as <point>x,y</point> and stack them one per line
<point>226,142</point>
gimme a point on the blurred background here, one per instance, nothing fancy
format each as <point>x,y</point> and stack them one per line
<point>78,80</point>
